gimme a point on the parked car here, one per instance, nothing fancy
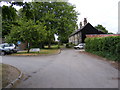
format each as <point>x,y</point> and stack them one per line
<point>6,48</point>
<point>12,48</point>
<point>80,46</point>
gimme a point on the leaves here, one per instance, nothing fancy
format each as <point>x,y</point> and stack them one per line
<point>101,28</point>
<point>59,17</point>
<point>39,21</point>
<point>27,31</point>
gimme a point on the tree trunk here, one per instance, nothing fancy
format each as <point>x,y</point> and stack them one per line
<point>41,45</point>
<point>49,45</point>
<point>28,48</point>
<point>59,45</point>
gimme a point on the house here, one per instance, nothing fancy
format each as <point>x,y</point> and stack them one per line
<point>80,35</point>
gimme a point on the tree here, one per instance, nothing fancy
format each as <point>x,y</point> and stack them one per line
<point>66,20</point>
<point>0,25</point>
<point>8,18</point>
<point>59,17</point>
<point>100,27</point>
<point>27,31</point>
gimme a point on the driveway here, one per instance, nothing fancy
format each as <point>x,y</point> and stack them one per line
<point>69,69</point>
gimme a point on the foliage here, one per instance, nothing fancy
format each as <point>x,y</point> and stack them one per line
<point>27,31</point>
<point>104,46</point>
<point>69,45</point>
<point>8,18</point>
<point>100,27</point>
<point>59,17</point>
<point>8,13</point>
<point>0,23</point>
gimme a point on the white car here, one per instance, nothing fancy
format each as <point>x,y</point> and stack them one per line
<point>79,46</point>
<point>11,47</point>
<point>6,48</point>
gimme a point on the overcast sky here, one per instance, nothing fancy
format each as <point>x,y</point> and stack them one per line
<point>103,12</point>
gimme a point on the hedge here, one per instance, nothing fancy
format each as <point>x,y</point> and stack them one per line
<point>108,47</point>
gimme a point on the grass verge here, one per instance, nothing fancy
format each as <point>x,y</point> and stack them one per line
<point>0,76</point>
<point>42,52</point>
<point>8,74</point>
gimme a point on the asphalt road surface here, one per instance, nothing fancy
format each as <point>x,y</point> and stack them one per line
<point>69,69</point>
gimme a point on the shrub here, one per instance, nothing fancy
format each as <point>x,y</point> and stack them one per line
<point>104,46</point>
<point>69,45</point>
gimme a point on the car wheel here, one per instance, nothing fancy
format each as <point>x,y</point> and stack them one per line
<point>15,51</point>
<point>78,48</point>
<point>2,53</point>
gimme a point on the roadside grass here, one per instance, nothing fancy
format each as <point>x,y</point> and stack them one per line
<point>46,51</point>
<point>52,47</point>
<point>0,75</point>
<point>55,47</point>
<point>0,71</point>
<point>5,72</point>
<point>8,74</point>
<point>42,52</point>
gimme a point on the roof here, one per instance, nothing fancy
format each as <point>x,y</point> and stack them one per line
<point>88,24</point>
<point>79,29</point>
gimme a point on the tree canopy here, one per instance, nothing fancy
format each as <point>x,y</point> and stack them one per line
<point>9,16</point>
<point>53,17</point>
<point>59,17</point>
<point>27,31</point>
<point>100,27</point>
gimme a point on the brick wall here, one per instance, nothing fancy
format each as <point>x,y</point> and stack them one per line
<point>22,46</point>
<point>102,35</point>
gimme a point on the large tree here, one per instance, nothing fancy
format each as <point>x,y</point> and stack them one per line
<point>59,17</point>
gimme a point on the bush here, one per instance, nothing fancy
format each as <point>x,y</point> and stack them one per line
<point>108,47</point>
<point>69,45</point>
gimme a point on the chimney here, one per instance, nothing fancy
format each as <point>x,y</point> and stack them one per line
<point>80,24</point>
<point>85,21</point>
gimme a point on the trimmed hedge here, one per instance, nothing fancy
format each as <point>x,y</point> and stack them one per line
<point>108,47</point>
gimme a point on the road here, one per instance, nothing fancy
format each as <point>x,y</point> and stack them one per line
<point>69,69</point>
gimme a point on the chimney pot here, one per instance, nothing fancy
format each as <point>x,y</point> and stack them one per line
<point>80,24</point>
<point>85,21</point>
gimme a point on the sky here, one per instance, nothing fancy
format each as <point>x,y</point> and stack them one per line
<point>104,12</point>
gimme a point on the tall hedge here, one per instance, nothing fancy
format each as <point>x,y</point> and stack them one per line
<point>108,47</point>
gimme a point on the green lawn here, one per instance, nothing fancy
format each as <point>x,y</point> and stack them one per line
<point>55,47</point>
<point>46,51</point>
<point>42,52</point>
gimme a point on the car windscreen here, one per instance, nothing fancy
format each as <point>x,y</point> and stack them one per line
<point>1,45</point>
<point>4,45</point>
